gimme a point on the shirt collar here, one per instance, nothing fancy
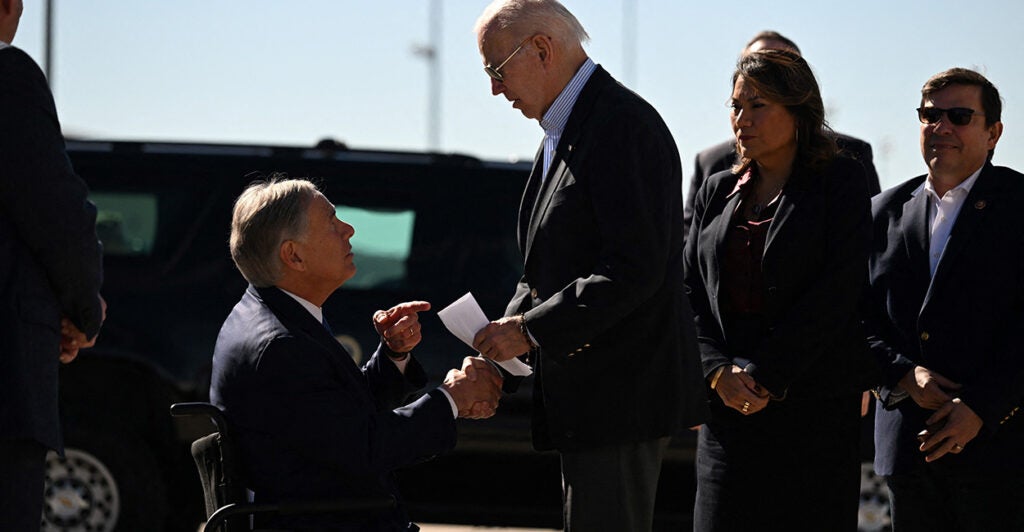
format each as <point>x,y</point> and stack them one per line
<point>745,181</point>
<point>557,116</point>
<point>964,186</point>
<point>316,311</point>
<point>4,45</point>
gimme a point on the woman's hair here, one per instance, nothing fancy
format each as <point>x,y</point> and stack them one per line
<point>785,78</point>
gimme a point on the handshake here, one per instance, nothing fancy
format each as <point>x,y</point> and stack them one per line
<point>476,388</point>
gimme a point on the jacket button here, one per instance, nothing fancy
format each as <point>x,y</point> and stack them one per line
<point>772,290</point>
<point>533,293</point>
<point>925,336</point>
<point>570,434</point>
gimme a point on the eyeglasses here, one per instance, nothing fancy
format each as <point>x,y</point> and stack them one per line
<point>958,116</point>
<point>495,72</point>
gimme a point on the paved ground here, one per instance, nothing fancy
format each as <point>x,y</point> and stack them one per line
<point>460,528</point>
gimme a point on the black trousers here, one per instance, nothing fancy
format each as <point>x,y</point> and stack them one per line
<point>938,499</point>
<point>22,467</point>
<point>611,488</point>
<point>793,466</point>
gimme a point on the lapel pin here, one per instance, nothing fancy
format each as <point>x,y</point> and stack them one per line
<point>570,147</point>
<point>980,204</point>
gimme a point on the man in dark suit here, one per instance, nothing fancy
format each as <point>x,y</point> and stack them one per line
<point>722,156</point>
<point>600,307</point>
<point>50,275</point>
<point>310,423</point>
<point>946,308</point>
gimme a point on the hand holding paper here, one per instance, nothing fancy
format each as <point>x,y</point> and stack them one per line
<point>465,319</point>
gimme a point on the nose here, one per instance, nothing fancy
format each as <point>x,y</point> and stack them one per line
<point>740,118</point>
<point>942,127</point>
<point>497,87</point>
<point>347,231</point>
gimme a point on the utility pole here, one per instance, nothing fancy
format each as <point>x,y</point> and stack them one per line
<point>629,43</point>
<point>48,45</point>
<point>431,52</point>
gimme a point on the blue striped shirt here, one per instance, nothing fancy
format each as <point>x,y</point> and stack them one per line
<point>557,116</point>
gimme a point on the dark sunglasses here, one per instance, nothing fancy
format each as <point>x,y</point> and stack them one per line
<point>495,72</point>
<point>958,116</point>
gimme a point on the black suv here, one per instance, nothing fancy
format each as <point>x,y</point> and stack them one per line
<point>428,226</point>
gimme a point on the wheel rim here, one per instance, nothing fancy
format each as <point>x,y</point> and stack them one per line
<point>80,494</point>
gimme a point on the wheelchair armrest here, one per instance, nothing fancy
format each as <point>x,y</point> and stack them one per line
<point>200,409</point>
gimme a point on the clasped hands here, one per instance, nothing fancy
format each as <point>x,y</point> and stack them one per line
<point>740,391</point>
<point>72,339</point>
<point>475,388</point>
<point>953,425</point>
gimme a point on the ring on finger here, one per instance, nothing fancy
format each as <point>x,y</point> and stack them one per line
<point>957,447</point>
<point>746,406</point>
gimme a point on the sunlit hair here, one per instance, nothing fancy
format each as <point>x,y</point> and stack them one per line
<point>770,35</point>
<point>785,78</point>
<point>522,18</point>
<point>991,103</point>
<point>265,215</point>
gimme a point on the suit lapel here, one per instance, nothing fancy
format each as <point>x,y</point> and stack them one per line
<point>787,204</point>
<point>529,201</point>
<point>301,323</point>
<point>972,215</point>
<point>563,152</point>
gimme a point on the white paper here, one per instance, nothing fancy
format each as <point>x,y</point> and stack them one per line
<point>464,318</point>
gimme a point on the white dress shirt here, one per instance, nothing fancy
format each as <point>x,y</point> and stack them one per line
<point>942,214</point>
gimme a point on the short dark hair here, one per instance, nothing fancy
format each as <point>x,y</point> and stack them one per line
<point>991,103</point>
<point>785,78</point>
<point>771,35</point>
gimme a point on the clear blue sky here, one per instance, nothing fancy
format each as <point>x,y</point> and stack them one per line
<point>260,71</point>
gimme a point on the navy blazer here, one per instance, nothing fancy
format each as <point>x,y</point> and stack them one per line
<point>602,286</point>
<point>50,259</point>
<point>722,156</point>
<point>963,323</point>
<point>309,422</point>
<point>815,273</point>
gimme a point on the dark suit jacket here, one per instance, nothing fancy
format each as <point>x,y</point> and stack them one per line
<point>602,286</point>
<point>309,422</point>
<point>815,272</point>
<point>722,156</point>
<point>50,260</point>
<point>965,323</point>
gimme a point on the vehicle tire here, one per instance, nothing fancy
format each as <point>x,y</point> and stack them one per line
<point>107,482</point>
<point>873,514</point>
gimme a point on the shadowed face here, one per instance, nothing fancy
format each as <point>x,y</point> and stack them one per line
<point>520,71</point>
<point>325,248</point>
<point>954,152</point>
<point>765,130</point>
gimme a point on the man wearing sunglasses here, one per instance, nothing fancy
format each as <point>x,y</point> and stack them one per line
<point>600,309</point>
<point>946,307</point>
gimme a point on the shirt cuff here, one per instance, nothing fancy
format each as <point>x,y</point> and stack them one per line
<point>401,364</point>
<point>455,409</point>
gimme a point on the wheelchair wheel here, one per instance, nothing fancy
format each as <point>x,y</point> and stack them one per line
<point>104,483</point>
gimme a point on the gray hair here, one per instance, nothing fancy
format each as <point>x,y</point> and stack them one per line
<point>522,17</point>
<point>265,215</point>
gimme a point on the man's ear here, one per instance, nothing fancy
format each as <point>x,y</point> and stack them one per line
<point>544,47</point>
<point>289,254</point>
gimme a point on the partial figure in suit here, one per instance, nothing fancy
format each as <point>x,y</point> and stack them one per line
<point>50,276</point>
<point>722,156</point>
<point>945,313</point>
<point>600,307</point>
<point>776,265</point>
<point>310,423</point>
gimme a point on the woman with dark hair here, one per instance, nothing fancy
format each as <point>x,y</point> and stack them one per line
<point>776,263</point>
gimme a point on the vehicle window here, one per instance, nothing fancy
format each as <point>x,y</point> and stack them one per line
<point>126,222</point>
<point>382,243</point>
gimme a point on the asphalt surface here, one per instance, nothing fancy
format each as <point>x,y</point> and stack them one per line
<point>462,528</point>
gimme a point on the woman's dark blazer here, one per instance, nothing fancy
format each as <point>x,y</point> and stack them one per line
<point>815,273</point>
